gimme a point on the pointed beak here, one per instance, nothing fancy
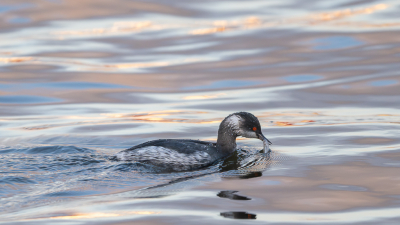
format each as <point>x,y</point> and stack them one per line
<point>263,138</point>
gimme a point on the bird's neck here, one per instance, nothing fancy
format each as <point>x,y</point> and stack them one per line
<point>226,139</point>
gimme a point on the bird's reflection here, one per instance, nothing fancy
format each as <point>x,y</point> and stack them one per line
<point>244,164</point>
<point>238,215</point>
<point>232,195</point>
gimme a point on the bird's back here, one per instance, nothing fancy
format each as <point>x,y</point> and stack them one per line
<point>173,154</point>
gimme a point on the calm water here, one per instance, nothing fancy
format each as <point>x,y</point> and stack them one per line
<point>80,82</point>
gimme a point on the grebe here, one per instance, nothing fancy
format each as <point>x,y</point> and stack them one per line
<point>183,155</point>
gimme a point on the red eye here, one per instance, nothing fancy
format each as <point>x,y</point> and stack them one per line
<point>254,128</point>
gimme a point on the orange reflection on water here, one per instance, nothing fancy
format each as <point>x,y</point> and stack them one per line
<point>93,66</point>
<point>255,22</point>
<point>137,65</point>
<point>308,121</point>
<point>110,66</point>
<point>102,215</point>
<point>208,30</point>
<point>6,53</point>
<point>150,113</point>
<point>129,24</point>
<point>283,124</point>
<point>224,25</point>
<point>367,25</point>
<point>86,216</point>
<point>278,116</point>
<point>290,114</point>
<point>385,115</point>
<point>118,27</point>
<point>159,117</point>
<point>328,16</point>
<point>177,120</point>
<point>164,116</point>
<point>281,119</point>
<point>16,59</point>
<point>198,97</point>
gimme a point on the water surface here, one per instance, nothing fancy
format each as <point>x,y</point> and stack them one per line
<point>80,82</point>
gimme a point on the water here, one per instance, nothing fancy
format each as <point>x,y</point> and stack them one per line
<point>81,82</point>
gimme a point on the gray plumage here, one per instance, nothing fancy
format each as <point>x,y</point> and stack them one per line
<point>183,155</point>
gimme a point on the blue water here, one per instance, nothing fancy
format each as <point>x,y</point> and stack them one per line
<point>80,85</point>
<point>15,87</point>
<point>11,7</point>
<point>19,20</point>
<point>302,78</point>
<point>27,99</point>
<point>380,83</point>
<point>336,42</point>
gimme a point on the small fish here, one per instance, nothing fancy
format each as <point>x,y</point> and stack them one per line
<point>266,148</point>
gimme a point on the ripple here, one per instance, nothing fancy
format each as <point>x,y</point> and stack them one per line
<point>57,150</point>
<point>340,187</point>
<point>72,193</point>
<point>79,87</point>
<point>225,84</point>
<point>336,42</point>
<point>14,7</point>
<point>47,150</point>
<point>302,78</point>
<point>19,20</point>
<point>380,83</point>
<point>15,87</point>
<point>16,180</point>
<point>27,99</point>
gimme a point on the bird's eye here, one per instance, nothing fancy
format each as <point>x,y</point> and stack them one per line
<point>254,128</point>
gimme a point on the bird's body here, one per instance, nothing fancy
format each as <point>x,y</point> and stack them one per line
<point>183,155</point>
<point>174,154</point>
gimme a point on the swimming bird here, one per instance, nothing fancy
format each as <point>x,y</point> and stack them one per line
<point>184,154</point>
